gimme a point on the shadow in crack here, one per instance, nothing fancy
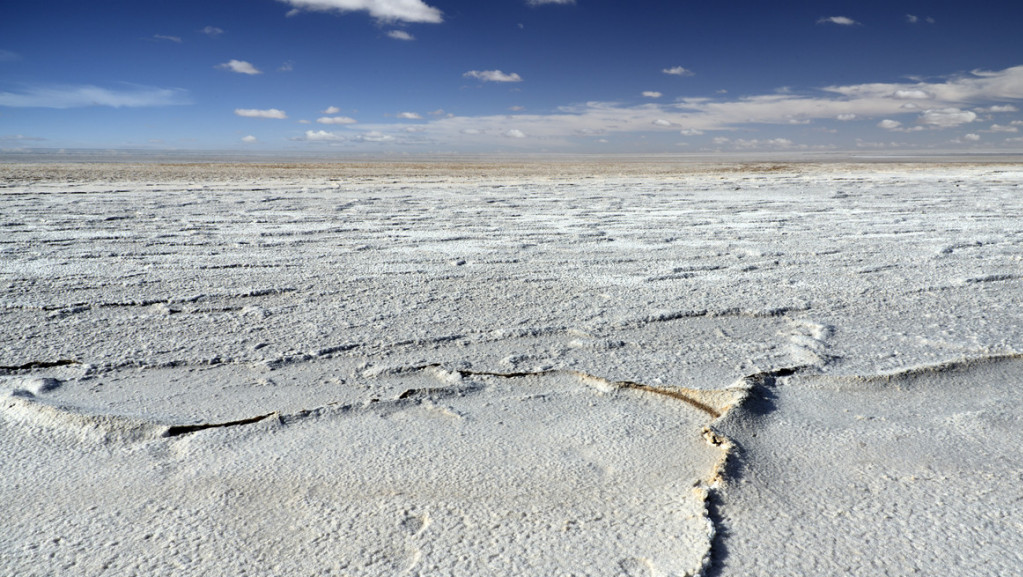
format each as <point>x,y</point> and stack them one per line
<point>760,401</point>
<point>719,544</point>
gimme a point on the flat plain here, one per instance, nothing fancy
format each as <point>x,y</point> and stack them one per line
<point>620,368</point>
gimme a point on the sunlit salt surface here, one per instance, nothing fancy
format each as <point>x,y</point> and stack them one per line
<point>509,369</point>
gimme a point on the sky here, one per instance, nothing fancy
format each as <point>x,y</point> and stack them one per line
<point>405,77</point>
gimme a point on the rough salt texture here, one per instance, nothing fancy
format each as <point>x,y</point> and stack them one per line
<point>476,368</point>
<point>915,472</point>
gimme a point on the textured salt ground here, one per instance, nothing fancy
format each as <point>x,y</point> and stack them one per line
<point>143,296</point>
<point>544,474</point>
<point>915,472</point>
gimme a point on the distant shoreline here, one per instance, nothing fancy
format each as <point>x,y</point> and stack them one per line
<point>134,156</point>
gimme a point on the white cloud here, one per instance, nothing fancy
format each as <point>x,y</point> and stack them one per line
<point>400,35</point>
<point>1014,139</point>
<point>677,71</point>
<point>750,144</point>
<point>846,117</point>
<point>131,96</point>
<point>873,102</point>
<point>212,31</point>
<point>249,139</point>
<point>175,39</point>
<point>661,122</point>
<point>542,2</point>
<point>254,113</point>
<point>332,110</point>
<point>947,117</point>
<point>286,67</point>
<point>912,19</point>
<point>911,94</point>
<point>690,132</point>
<point>972,137</point>
<point>336,119</point>
<point>998,108</point>
<point>493,76</point>
<point>239,66</point>
<point>515,133</point>
<point>652,94</point>
<point>322,136</point>
<point>409,116</point>
<point>978,85</point>
<point>1002,128</point>
<point>373,136</point>
<point>840,20</point>
<point>383,10</point>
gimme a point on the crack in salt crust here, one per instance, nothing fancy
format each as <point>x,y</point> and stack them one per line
<point>27,410</point>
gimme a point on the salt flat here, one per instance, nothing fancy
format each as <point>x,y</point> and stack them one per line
<point>511,369</point>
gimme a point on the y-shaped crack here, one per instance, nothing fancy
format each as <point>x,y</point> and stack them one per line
<point>715,404</point>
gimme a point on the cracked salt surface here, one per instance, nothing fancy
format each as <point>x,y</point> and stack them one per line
<point>481,474</point>
<point>913,472</point>
<point>506,369</point>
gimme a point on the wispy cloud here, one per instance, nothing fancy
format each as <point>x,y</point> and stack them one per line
<point>493,76</point>
<point>249,139</point>
<point>256,113</point>
<point>175,39</point>
<point>336,119</point>
<point>677,71</point>
<point>373,136</point>
<point>840,20</point>
<point>321,136</point>
<point>652,94</point>
<point>902,107</point>
<point>754,143</point>
<point>998,108</point>
<point>542,2</point>
<point>947,117</point>
<point>212,31</point>
<point>383,10</point>
<point>239,66</point>
<point>131,96</point>
<point>410,116</point>
<point>1002,128</point>
<point>400,35</point>
<point>914,19</point>
<point>332,110</point>
<point>8,56</point>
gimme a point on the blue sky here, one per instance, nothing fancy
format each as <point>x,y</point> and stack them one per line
<point>459,76</point>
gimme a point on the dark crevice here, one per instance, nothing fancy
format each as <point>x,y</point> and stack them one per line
<point>715,564</point>
<point>39,365</point>
<point>759,400</point>
<point>178,430</point>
